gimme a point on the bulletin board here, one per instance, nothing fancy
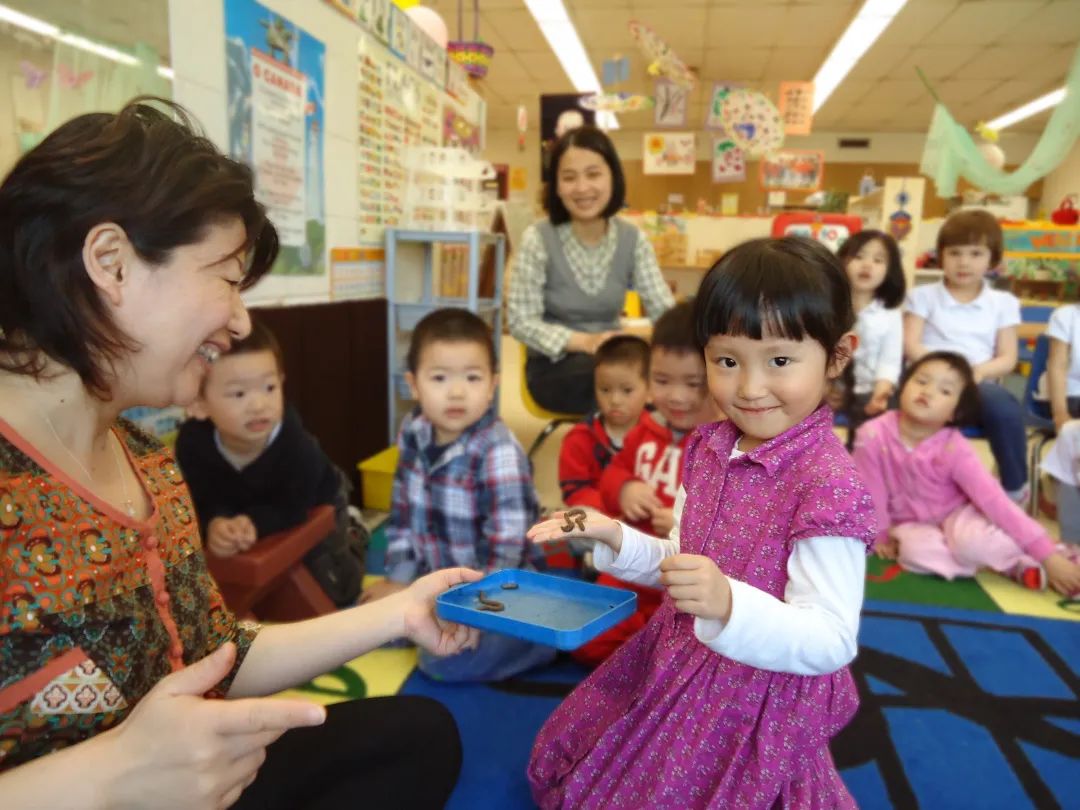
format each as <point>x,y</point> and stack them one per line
<point>408,94</point>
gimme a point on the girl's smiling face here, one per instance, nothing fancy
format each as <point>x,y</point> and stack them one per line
<point>770,385</point>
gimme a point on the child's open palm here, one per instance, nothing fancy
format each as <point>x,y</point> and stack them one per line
<point>578,523</point>
<point>697,585</point>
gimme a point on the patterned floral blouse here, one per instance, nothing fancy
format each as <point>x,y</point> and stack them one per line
<point>96,606</point>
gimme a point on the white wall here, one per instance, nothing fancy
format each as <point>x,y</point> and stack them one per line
<point>197,40</point>
<point>1065,179</point>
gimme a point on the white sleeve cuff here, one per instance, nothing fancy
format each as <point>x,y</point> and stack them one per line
<point>639,557</point>
<point>813,630</point>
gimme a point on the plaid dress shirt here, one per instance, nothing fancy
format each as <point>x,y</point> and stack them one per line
<point>591,266</point>
<point>471,506</point>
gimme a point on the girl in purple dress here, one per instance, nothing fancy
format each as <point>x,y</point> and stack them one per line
<point>729,696</point>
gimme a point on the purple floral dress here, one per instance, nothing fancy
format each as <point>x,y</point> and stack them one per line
<point>668,723</point>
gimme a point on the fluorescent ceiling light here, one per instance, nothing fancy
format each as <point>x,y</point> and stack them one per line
<point>563,38</point>
<point>1028,110</point>
<point>17,18</point>
<point>873,18</point>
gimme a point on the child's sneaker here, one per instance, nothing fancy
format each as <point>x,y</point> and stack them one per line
<point>1032,577</point>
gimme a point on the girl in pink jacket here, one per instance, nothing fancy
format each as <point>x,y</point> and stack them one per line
<point>939,509</point>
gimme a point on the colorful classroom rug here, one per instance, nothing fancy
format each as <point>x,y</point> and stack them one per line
<point>969,698</point>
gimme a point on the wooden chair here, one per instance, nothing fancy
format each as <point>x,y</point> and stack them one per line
<point>270,581</point>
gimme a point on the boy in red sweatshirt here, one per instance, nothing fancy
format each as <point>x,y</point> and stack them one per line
<point>621,371</point>
<point>642,480</point>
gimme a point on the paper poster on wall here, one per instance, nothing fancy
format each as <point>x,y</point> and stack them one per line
<point>669,153</point>
<point>457,82</point>
<point>274,73</point>
<point>714,118</point>
<point>671,104</point>
<point>432,59</point>
<point>375,14</point>
<point>728,163</point>
<point>797,107</point>
<point>401,30</point>
<point>729,204</point>
<point>793,169</point>
<point>460,132</point>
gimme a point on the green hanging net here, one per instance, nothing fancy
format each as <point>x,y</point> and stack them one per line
<point>950,153</point>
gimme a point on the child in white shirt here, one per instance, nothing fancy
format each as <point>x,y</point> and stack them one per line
<point>963,314</point>
<point>1063,364</point>
<point>872,262</point>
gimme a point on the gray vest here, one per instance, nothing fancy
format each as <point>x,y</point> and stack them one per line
<point>566,303</point>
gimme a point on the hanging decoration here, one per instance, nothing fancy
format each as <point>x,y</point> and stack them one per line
<point>32,74</point>
<point>663,61</point>
<point>728,163</point>
<point>671,104</point>
<point>797,107</point>
<point>900,219</point>
<point>615,70</point>
<point>473,54</point>
<point>950,153</point>
<point>616,102</point>
<point>72,80</point>
<point>752,122</point>
<point>522,125</point>
<point>430,22</point>
<point>715,117</point>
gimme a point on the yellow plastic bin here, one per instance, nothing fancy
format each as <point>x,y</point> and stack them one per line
<point>377,478</point>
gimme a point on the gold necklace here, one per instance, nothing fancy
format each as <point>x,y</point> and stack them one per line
<point>129,505</point>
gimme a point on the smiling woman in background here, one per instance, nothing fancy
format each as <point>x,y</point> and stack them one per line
<point>573,270</point>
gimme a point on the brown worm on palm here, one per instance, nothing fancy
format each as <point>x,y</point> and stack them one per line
<point>573,516</point>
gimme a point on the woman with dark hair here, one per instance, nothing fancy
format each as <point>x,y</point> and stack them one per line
<point>573,270</point>
<point>124,242</point>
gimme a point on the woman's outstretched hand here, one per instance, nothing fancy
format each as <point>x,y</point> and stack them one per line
<point>423,626</point>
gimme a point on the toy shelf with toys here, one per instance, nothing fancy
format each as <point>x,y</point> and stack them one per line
<point>1042,261</point>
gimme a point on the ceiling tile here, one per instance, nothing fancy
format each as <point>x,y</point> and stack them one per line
<point>981,23</point>
<point>1055,23</point>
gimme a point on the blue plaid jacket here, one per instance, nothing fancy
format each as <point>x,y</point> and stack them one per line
<point>471,507</point>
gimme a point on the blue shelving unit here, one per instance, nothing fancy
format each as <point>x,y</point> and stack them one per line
<point>403,315</point>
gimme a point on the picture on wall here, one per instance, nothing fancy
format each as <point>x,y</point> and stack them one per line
<point>714,119</point>
<point>797,107</point>
<point>275,90</point>
<point>728,162</point>
<point>671,104</point>
<point>669,153</point>
<point>793,170</point>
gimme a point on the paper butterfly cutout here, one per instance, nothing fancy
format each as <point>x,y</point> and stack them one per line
<point>33,74</point>
<point>73,80</point>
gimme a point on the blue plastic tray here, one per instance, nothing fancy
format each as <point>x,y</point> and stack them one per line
<point>545,609</point>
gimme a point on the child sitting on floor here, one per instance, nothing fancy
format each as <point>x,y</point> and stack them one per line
<point>963,314</point>
<point>642,480</point>
<point>872,262</point>
<point>621,369</point>
<point>939,509</point>
<point>463,491</point>
<point>1062,464</point>
<point>254,471</point>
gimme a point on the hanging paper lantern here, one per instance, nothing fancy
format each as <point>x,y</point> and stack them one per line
<point>429,21</point>
<point>522,125</point>
<point>993,154</point>
<point>472,54</point>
